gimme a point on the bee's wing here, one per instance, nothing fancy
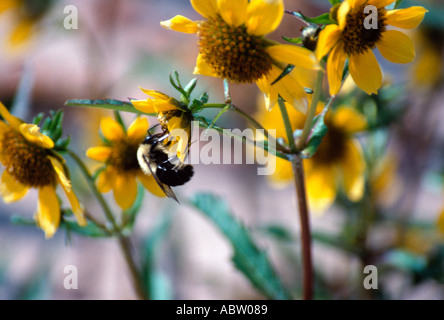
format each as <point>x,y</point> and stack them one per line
<point>166,189</point>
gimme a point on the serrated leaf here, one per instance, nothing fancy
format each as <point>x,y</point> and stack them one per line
<point>247,257</point>
<point>109,104</point>
<point>318,132</point>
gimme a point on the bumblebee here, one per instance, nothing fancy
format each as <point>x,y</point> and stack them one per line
<point>153,156</point>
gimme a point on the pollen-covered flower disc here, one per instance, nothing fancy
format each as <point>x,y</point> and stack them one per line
<point>29,162</point>
<point>233,46</point>
<point>364,25</point>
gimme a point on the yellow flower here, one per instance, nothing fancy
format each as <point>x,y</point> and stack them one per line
<point>232,46</point>
<point>427,69</point>
<point>30,162</point>
<point>120,157</point>
<point>173,117</point>
<point>352,39</point>
<point>338,162</point>
<point>25,14</point>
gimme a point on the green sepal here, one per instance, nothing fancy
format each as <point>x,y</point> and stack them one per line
<point>317,134</point>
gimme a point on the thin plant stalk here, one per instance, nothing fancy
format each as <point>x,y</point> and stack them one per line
<point>299,180</point>
<point>123,240</point>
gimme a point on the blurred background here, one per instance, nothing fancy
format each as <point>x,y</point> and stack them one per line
<point>120,45</point>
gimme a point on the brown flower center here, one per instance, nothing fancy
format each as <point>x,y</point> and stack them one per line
<point>332,147</point>
<point>124,155</point>
<point>26,162</point>
<point>232,53</point>
<point>361,32</point>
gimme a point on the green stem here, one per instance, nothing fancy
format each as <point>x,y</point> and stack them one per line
<point>301,196</point>
<point>123,241</point>
<point>287,124</point>
<point>243,139</point>
<point>302,141</point>
<point>304,219</point>
<point>253,122</point>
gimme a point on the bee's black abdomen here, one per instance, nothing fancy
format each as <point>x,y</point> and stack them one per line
<point>172,175</point>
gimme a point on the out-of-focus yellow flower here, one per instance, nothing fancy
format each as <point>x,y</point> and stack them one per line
<point>30,162</point>
<point>232,45</point>
<point>351,39</point>
<point>172,116</point>
<point>384,181</point>
<point>25,15</point>
<point>338,162</point>
<point>120,156</point>
<point>441,221</point>
<point>427,69</point>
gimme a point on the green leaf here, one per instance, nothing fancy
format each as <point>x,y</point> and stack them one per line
<point>318,132</point>
<point>130,214</point>
<point>90,230</point>
<point>286,71</point>
<point>190,87</point>
<point>322,19</point>
<point>248,258</point>
<point>155,282</point>
<point>109,104</point>
<point>333,2</point>
<point>297,40</point>
<point>397,3</point>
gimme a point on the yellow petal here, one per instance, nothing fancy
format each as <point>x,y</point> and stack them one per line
<point>365,71</point>
<point>181,24</point>
<point>145,106</point>
<point>343,11</point>
<point>207,8</point>
<point>149,182</point>
<point>292,92</point>
<point>441,222</point>
<point>125,190</point>
<point>264,16</point>
<point>106,180</point>
<point>270,93</point>
<point>328,37</point>
<point>32,134</point>
<point>233,12</point>
<point>295,55</point>
<point>14,122</point>
<point>381,3</point>
<point>8,4</point>
<point>353,168</point>
<point>165,105</point>
<point>101,153</point>
<point>396,47</point>
<point>348,120</point>
<point>321,186</point>
<point>111,129</point>
<point>155,94</point>
<point>408,18</point>
<point>335,68</point>
<point>22,32</point>
<point>138,129</point>
<point>203,68</point>
<point>48,211</point>
<point>10,189</point>
<point>66,185</point>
